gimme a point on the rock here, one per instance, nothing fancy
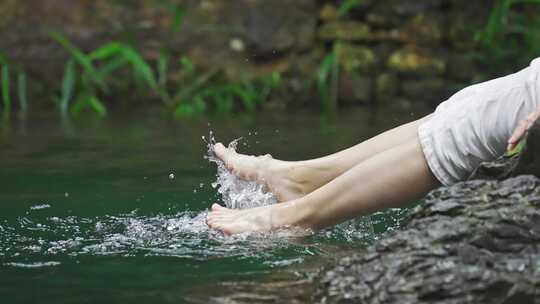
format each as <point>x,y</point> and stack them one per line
<point>410,7</point>
<point>412,60</point>
<point>474,242</point>
<point>345,30</point>
<point>355,58</point>
<point>383,20</point>
<point>422,29</point>
<point>278,26</point>
<point>328,13</point>
<point>386,87</point>
<point>355,88</point>
<point>433,90</point>
<point>462,67</point>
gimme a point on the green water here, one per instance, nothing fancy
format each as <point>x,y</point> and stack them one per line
<point>89,214</point>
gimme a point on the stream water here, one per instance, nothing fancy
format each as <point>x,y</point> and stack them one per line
<point>114,210</point>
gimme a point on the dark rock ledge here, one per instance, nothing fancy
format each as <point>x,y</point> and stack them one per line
<point>475,242</point>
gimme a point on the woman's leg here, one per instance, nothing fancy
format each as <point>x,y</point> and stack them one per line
<point>391,178</point>
<point>293,179</point>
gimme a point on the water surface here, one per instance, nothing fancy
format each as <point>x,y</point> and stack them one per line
<point>90,212</point>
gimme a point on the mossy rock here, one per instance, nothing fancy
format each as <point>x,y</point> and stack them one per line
<point>345,30</point>
<point>355,58</point>
<point>414,61</point>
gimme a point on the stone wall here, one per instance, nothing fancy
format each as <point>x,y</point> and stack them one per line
<point>389,51</point>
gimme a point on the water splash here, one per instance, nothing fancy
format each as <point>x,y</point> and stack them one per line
<point>236,193</point>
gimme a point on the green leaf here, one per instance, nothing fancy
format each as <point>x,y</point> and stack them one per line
<point>275,79</point>
<point>96,105</point>
<point>108,68</point>
<point>68,86</point>
<point>82,59</point>
<point>6,96</point>
<point>22,91</point>
<point>107,51</point>
<point>163,67</point>
<point>140,67</point>
<point>325,70</point>
<point>199,104</point>
<point>347,5</point>
<point>184,110</point>
<point>179,14</point>
<point>85,101</point>
<point>187,65</point>
<point>247,96</point>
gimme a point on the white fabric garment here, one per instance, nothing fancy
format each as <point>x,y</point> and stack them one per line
<point>474,125</point>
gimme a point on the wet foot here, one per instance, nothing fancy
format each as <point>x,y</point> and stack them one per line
<point>264,169</point>
<point>232,221</point>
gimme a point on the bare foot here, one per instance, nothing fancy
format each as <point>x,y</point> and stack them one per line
<point>232,221</point>
<point>264,169</point>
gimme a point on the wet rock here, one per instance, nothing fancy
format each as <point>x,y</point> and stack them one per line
<point>386,87</point>
<point>382,20</point>
<point>278,26</point>
<point>461,67</point>
<point>415,61</point>
<point>412,7</point>
<point>355,88</point>
<point>422,29</point>
<point>406,8</point>
<point>345,30</point>
<point>433,90</point>
<point>328,13</point>
<point>474,242</point>
<point>355,58</point>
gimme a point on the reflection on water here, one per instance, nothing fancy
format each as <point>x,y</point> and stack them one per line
<point>94,215</point>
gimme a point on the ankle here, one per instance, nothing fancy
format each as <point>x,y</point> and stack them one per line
<point>292,214</point>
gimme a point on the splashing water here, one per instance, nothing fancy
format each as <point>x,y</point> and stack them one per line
<point>240,194</point>
<point>236,193</point>
<point>45,237</point>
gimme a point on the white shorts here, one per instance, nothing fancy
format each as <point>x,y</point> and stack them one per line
<point>474,125</point>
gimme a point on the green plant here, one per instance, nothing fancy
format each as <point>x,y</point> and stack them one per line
<point>327,81</point>
<point>6,71</point>
<point>178,12</point>
<point>511,32</point>
<point>6,96</point>
<point>347,5</point>
<point>223,96</point>
<point>88,76</point>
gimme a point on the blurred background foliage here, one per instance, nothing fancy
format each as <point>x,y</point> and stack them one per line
<point>192,58</point>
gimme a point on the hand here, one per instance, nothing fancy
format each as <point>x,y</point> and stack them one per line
<point>522,129</point>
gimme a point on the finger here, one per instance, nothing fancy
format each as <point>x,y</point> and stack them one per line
<point>518,133</point>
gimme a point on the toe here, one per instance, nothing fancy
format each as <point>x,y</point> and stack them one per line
<point>221,151</point>
<point>217,207</point>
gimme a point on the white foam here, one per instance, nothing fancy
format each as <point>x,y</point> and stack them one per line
<point>237,193</point>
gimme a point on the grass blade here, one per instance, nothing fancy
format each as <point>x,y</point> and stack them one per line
<point>82,59</point>
<point>22,92</point>
<point>96,105</point>
<point>68,86</point>
<point>106,51</point>
<point>347,5</point>
<point>6,96</point>
<point>140,67</point>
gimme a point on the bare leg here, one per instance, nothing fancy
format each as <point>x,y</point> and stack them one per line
<point>293,179</point>
<point>391,178</point>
